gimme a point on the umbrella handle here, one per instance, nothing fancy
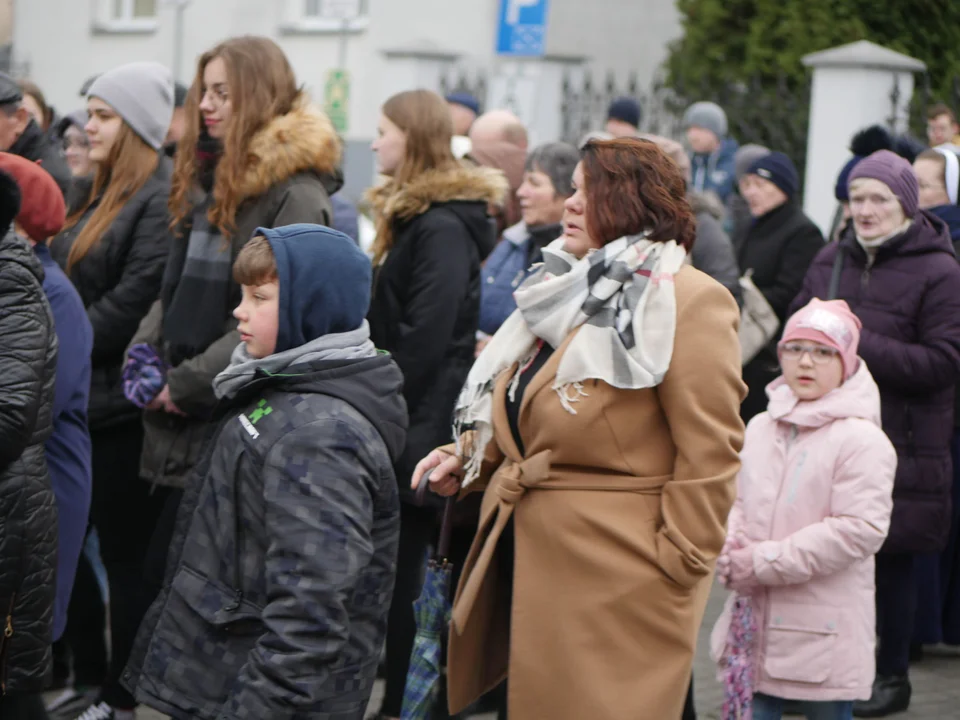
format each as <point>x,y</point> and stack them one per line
<point>446,529</point>
<point>446,525</point>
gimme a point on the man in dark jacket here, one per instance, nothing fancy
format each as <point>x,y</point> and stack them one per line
<point>277,600</point>
<point>28,512</point>
<point>899,275</point>
<point>20,135</point>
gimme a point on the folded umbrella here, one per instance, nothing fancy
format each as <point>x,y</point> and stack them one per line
<point>432,610</point>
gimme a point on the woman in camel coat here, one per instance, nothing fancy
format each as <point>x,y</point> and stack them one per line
<point>604,430</point>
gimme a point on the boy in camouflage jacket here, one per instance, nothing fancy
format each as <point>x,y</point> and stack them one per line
<point>283,563</point>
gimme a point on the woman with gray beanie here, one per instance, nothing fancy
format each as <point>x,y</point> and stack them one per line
<point>114,247</point>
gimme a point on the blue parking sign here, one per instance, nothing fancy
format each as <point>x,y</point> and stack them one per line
<point>523,27</point>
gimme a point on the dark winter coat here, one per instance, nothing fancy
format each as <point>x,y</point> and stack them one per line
<point>426,295</point>
<point>283,562</point>
<point>778,249</point>
<point>118,280</point>
<point>712,252</point>
<point>909,304</point>
<point>28,511</point>
<point>507,267</point>
<point>294,169</point>
<point>68,449</point>
<point>715,172</point>
<point>38,147</point>
<point>950,214</point>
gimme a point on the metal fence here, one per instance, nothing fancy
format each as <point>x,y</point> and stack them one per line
<point>771,113</point>
<point>774,114</point>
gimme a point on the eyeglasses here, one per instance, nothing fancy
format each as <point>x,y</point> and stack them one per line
<point>820,354</point>
<point>217,94</point>
<point>80,143</point>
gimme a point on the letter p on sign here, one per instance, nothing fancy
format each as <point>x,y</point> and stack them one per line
<point>515,6</point>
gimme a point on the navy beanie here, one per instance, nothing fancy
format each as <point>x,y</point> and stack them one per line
<point>842,192</point>
<point>778,169</point>
<point>324,280</point>
<point>625,109</point>
<point>466,100</point>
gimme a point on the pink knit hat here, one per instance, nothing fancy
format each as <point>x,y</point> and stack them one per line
<point>829,323</point>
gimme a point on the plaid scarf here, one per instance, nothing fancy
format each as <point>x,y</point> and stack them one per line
<point>621,298</point>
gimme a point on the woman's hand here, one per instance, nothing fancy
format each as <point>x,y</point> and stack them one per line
<point>444,471</point>
<point>163,402</point>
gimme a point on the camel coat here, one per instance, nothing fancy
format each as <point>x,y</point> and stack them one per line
<point>619,514</point>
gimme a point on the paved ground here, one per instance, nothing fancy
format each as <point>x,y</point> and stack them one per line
<point>936,682</point>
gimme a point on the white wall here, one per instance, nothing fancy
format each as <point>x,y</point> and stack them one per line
<point>55,38</point>
<point>625,35</point>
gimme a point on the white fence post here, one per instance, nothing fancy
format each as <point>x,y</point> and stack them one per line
<point>853,88</point>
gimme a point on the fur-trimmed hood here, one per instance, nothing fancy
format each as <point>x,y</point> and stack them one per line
<point>465,184</point>
<point>707,202</point>
<point>303,140</point>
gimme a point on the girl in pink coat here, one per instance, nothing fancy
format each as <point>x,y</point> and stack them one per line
<point>813,506</point>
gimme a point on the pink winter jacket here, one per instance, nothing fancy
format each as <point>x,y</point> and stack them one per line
<point>814,494</point>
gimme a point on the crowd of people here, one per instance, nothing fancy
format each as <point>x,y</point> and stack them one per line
<point>636,363</point>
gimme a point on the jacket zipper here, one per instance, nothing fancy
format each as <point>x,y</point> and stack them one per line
<point>5,645</point>
<point>234,605</point>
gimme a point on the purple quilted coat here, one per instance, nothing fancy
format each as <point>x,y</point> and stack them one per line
<point>909,304</point>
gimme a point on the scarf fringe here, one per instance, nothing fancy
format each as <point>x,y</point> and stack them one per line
<point>569,394</point>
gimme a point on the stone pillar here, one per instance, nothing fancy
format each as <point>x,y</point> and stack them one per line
<point>853,88</point>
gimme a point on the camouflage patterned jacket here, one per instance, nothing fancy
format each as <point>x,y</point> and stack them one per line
<point>282,565</point>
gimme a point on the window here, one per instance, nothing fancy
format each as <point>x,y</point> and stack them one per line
<point>326,16</point>
<point>126,16</point>
<point>134,9</point>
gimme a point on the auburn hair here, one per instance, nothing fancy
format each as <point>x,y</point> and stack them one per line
<point>129,165</point>
<point>424,117</point>
<point>262,86</point>
<point>632,186</point>
<point>255,264</point>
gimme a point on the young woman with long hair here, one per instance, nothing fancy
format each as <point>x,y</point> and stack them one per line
<point>433,232</point>
<point>255,153</point>
<point>113,248</point>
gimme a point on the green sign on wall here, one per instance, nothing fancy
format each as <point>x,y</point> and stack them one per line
<point>336,98</point>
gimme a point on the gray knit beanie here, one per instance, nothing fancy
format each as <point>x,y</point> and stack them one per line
<point>142,94</point>
<point>708,116</point>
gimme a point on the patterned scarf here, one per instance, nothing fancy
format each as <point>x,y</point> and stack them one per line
<point>622,299</point>
<point>738,663</point>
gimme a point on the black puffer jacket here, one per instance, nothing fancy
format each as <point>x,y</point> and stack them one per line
<point>779,248</point>
<point>28,512</point>
<point>425,308</point>
<point>118,280</point>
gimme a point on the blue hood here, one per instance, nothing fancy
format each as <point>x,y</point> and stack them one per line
<point>950,214</point>
<point>324,281</point>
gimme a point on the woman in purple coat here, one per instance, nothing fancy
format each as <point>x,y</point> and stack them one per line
<point>896,269</point>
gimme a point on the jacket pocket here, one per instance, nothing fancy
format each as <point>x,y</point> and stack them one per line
<point>798,648</point>
<point>217,604</point>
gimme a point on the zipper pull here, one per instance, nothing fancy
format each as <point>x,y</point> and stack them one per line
<point>237,599</point>
<point>8,630</point>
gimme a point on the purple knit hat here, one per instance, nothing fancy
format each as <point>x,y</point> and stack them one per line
<point>894,172</point>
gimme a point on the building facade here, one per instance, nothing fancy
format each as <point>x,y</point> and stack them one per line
<point>384,46</point>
